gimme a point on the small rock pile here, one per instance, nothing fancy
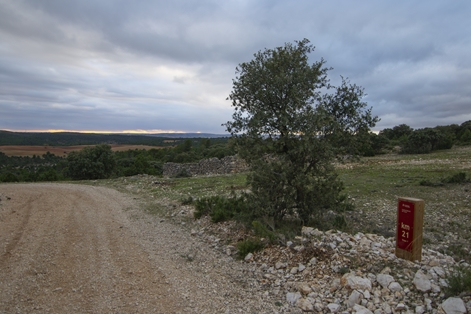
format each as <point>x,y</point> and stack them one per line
<point>335,272</point>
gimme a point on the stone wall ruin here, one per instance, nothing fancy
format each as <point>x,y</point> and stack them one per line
<point>226,165</point>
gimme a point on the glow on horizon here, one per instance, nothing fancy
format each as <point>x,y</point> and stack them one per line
<point>102,132</point>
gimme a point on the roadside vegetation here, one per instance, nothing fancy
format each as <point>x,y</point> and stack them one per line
<point>372,185</point>
<point>100,162</point>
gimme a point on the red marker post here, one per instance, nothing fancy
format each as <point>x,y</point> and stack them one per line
<point>410,222</point>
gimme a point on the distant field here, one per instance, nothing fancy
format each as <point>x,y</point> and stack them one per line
<point>19,150</point>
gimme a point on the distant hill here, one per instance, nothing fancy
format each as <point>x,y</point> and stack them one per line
<point>189,135</point>
<point>72,138</point>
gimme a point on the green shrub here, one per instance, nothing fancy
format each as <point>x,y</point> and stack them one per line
<point>459,178</point>
<point>427,182</point>
<point>248,246</point>
<point>424,141</point>
<point>262,231</point>
<point>220,208</point>
<point>204,206</point>
<point>339,222</point>
<point>187,200</point>
<point>466,137</point>
<point>459,280</point>
<point>91,163</point>
<point>49,175</point>
<point>9,177</point>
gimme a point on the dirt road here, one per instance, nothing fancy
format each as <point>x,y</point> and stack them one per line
<point>66,249</point>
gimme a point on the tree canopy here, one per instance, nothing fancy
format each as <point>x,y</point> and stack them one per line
<point>290,124</point>
<point>91,163</point>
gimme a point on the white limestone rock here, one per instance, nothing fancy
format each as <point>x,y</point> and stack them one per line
<point>361,310</point>
<point>384,280</point>
<point>354,298</point>
<point>421,281</point>
<point>454,306</point>
<point>356,282</point>
<point>333,307</point>
<point>395,287</point>
<point>419,309</point>
<point>248,257</point>
<point>293,297</point>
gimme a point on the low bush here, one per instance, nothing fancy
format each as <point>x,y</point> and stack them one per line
<point>221,208</point>
<point>426,182</point>
<point>187,200</point>
<point>9,177</point>
<point>459,281</point>
<point>248,246</point>
<point>457,178</point>
<point>262,231</point>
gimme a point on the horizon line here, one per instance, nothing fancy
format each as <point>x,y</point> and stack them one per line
<point>137,132</point>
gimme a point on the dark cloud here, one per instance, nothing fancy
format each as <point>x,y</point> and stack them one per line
<point>169,65</point>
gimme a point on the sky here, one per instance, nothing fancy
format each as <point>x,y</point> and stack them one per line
<point>168,66</point>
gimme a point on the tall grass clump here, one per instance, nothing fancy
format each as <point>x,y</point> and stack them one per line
<point>221,208</point>
<point>459,281</point>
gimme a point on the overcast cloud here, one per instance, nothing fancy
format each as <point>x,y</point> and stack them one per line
<point>111,65</point>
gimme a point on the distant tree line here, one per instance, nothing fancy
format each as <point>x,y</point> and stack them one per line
<point>100,162</point>
<point>417,141</point>
<point>72,139</point>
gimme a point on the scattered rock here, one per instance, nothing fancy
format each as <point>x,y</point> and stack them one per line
<point>248,257</point>
<point>395,287</point>
<point>355,282</point>
<point>361,309</point>
<point>354,298</point>
<point>400,307</point>
<point>384,280</point>
<point>419,309</point>
<point>305,305</point>
<point>454,306</point>
<point>333,307</point>
<point>304,289</point>
<point>421,281</point>
<point>293,297</point>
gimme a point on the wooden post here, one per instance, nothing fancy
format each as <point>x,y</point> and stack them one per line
<point>410,222</point>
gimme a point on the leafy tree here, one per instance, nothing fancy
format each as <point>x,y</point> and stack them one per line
<point>423,141</point>
<point>91,163</point>
<point>464,128</point>
<point>402,130</point>
<point>205,143</point>
<point>186,146</point>
<point>290,127</point>
<point>9,177</point>
<point>466,137</point>
<point>49,175</point>
<point>376,144</point>
<point>398,134</point>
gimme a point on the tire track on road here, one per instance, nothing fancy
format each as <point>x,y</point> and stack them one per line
<point>18,233</point>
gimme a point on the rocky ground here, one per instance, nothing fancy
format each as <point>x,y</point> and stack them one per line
<point>329,272</point>
<point>335,272</point>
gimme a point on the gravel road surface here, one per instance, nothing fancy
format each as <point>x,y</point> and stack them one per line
<point>67,248</point>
